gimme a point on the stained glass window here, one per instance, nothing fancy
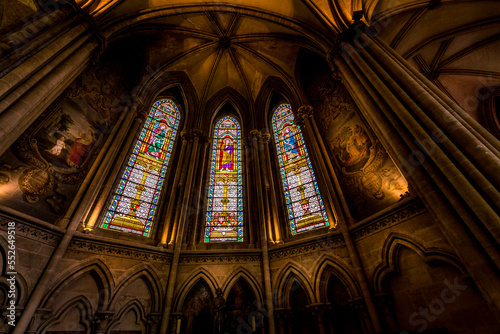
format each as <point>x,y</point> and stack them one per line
<point>304,204</point>
<point>135,201</point>
<point>224,220</point>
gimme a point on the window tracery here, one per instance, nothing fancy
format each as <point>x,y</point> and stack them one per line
<point>224,220</point>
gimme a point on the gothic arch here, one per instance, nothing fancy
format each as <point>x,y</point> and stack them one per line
<point>152,87</point>
<point>289,276</point>
<point>263,110</point>
<point>100,272</point>
<point>84,307</point>
<point>134,306</point>
<point>328,265</point>
<point>152,280</point>
<point>389,265</point>
<point>200,274</point>
<point>249,278</point>
<point>216,102</point>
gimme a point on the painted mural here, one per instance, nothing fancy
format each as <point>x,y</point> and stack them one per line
<point>367,175</point>
<point>42,171</point>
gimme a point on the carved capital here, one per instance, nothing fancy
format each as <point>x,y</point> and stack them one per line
<point>283,313</point>
<point>319,308</point>
<point>197,133</point>
<point>305,111</point>
<point>7,315</point>
<point>384,302</point>
<point>37,319</point>
<point>141,112</point>
<point>302,114</point>
<point>266,136</point>
<point>186,135</point>
<point>153,320</point>
<point>359,306</point>
<point>255,134</point>
<point>101,320</point>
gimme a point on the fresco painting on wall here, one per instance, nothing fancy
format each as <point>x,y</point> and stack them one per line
<point>52,157</point>
<point>42,171</point>
<point>368,176</point>
<point>67,136</point>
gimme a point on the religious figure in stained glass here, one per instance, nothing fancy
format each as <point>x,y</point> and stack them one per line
<point>157,139</point>
<point>226,154</point>
<point>134,203</point>
<point>305,206</point>
<point>224,213</point>
<point>291,143</point>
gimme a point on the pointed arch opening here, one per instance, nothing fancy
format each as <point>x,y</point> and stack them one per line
<point>135,201</point>
<point>305,207</point>
<point>224,219</point>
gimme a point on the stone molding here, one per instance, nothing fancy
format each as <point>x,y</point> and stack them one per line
<point>41,235</point>
<point>319,244</point>
<point>31,232</point>
<point>120,251</point>
<point>230,258</point>
<point>385,222</point>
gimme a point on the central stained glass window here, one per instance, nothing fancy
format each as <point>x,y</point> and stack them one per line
<point>305,206</point>
<point>224,220</point>
<point>135,201</point>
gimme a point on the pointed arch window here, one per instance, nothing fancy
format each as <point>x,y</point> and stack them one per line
<point>224,221</point>
<point>135,201</point>
<point>304,204</point>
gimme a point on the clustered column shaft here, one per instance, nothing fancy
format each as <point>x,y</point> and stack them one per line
<point>450,161</point>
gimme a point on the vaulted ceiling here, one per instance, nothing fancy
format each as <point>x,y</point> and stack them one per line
<point>239,44</point>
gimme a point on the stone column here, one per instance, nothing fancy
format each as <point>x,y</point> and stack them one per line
<point>386,307</point>
<point>71,221</point>
<point>169,216</point>
<point>283,315</point>
<point>265,155</point>
<point>5,313</point>
<point>38,318</point>
<point>359,308</point>
<point>263,232</point>
<point>199,203</point>
<point>452,164</point>
<point>176,320</point>
<point>180,191</point>
<point>305,117</point>
<point>249,192</point>
<point>265,189</point>
<point>189,217</point>
<point>320,310</point>
<point>153,320</point>
<point>117,148</point>
<point>183,217</point>
<point>101,321</point>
